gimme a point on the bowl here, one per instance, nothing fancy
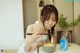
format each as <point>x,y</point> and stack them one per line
<point>49,47</point>
<point>42,38</point>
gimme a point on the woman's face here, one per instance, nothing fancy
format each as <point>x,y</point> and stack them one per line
<point>50,22</point>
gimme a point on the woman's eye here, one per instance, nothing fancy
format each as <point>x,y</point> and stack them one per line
<point>54,20</point>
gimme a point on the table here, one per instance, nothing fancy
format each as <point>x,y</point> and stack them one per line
<point>73,48</point>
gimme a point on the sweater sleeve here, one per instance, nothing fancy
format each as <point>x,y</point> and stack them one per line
<point>30,39</point>
<point>31,44</point>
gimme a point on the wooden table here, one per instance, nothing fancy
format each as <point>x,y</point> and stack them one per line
<point>73,48</point>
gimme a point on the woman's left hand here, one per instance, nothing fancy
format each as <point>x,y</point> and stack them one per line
<point>42,42</point>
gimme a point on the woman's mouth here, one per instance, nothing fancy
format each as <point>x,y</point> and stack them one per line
<point>49,27</point>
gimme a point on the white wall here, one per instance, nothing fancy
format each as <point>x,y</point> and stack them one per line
<point>11,24</point>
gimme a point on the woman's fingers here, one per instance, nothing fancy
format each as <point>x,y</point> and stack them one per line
<point>36,35</point>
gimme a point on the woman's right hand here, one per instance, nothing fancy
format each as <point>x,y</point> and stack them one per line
<point>36,35</point>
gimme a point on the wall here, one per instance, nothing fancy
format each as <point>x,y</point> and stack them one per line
<point>11,24</point>
<point>29,12</point>
<point>77,28</point>
<point>65,8</point>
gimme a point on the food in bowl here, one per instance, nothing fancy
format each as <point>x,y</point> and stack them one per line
<point>49,45</point>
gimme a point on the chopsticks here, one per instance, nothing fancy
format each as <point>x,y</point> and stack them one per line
<point>38,34</point>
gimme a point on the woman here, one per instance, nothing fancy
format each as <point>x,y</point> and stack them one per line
<point>48,20</point>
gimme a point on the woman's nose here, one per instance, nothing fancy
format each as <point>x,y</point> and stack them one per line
<point>50,22</point>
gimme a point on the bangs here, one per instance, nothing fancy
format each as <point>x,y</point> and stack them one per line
<point>47,13</point>
<point>47,16</point>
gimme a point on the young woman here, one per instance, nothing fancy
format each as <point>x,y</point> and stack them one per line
<point>48,20</point>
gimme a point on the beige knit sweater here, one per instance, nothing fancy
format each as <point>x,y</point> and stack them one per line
<point>30,42</point>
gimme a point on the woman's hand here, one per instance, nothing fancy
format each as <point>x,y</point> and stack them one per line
<point>36,35</point>
<point>42,42</point>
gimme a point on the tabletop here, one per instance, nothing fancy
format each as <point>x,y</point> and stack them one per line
<point>72,48</point>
